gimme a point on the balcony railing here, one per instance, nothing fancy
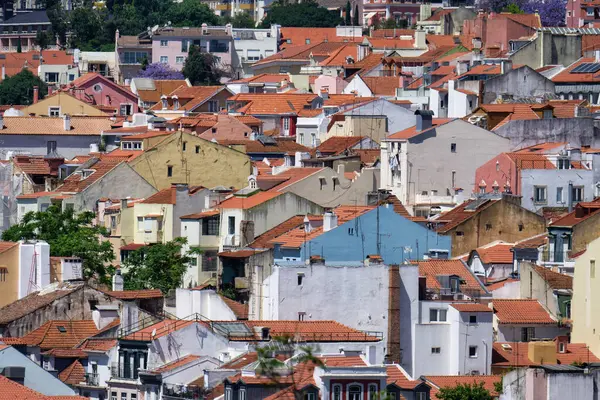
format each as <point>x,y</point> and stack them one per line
<point>119,372</point>
<point>447,294</point>
<point>434,199</point>
<point>171,391</point>
<point>556,257</point>
<point>92,380</point>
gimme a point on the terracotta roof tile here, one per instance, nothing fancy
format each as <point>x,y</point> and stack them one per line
<point>159,329</point>
<point>240,310</point>
<point>14,390</point>
<point>73,374</point>
<point>460,214</point>
<point>430,269</point>
<point>282,146</point>
<point>241,361</point>
<point>498,253</point>
<point>471,307</point>
<point>314,331</point>
<point>65,353</point>
<point>135,294</point>
<point>190,97</point>
<point>299,36</point>
<point>7,245</point>
<point>391,43</point>
<point>76,183</point>
<point>246,203</point>
<point>412,131</point>
<point>98,344</point>
<point>30,303</point>
<point>582,212</point>
<point>398,377</point>
<point>554,279</point>
<point>337,144</point>
<point>263,241</point>
<point>298,236</point>
<point>37,165</point>
<point>566,76</point>
<point>175,364</point>
<point>341,360</point>
<point>533,242</point>
<point>382,85</point>
<point>80,126</point>
<point>203,214</point>
<point>263,78</point>
<point>491,286</point>
<point>61,334</point>
<point>517,355</point>
<point>161,87</point>
<point>521,311</point>
<point>530,20</point>
<point>273,103</point>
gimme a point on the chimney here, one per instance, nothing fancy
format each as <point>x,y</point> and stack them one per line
<point>1,122</point>
<point>505,66</point>
<point>324,94</point>
<point>420,40</point>
<point>123,204</point>
<point>67,122</point>
<point>50,90</point>
<point>561,344</point>
<point>542,352</point>
<point>424,119</point>
<point>36,94</point>
<point>15,374</point>
<point>265,333</point>
<point>229,30</point>
<point>330,221</point>
<point>596,55</point>
<point>117,281</point>
<point>307,226</point>
<point>570,196</point>
<point>341,170</point>
<point>204,28</point>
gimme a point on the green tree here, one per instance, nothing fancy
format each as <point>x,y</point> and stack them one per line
<point>241,20</point>
<point>69,235</point>
<point>391,23</point>
<point>191,13</point>
<point>87,28</point>
<point>201,68</point>
<point>19,47</point>
<point>513,8</point>
<point>348,19</point>
<point>43,40</point>
<point>465,392</point>
<point>355,17</point>
<point>18,89</point>
<point>305,14</point>
<point>160,266</point>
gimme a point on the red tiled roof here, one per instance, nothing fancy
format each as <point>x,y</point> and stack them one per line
<point>391,43</point>
<point>499,284</point>
<point>498,253</point>
<point>73,374</point>
<point>263,78</point>
<point>7,245</point>
<point>241,361</point>
<point>582,212</point>
<point>396,376</point>
<point>521,311</point>
<point>98,344</point>
<point>80,126</point>
<point>190,97</point>
<point>273,103</point>
<point>263,241</point>
<point>159,329</point>
<point>161,87</point>
<point>19,308</point>
<point>240,310</point>
<point>566,76</point>
<point>313,331</point>
<point>341,360</point>
<point>430,269</point>
<point>296,237</point>
<point>411,132</point>
<point>533,242</point>
<point>246,203</point>
<point>518,355</point>
<point>61,334</point>
<point>382,85</point>
<point>530,20</point>
<point>168,196</point>
<point>282,146</point>
<point>337,144</point>
<point>553,279</point>
<point>471,307</point>
<point>282,180</point>
<point>299,36</point>
<point>76,183</point>
<point>459,214</point>
<point>65,353</point>
<point>35,195</point>
<point>35,165</point>
<point>175,364</point>
<point>203,214</point>
<point>132,246</point>
<point>13,390</point>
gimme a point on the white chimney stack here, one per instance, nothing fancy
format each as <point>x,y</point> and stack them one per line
<point>117,281</point>
<point>67,122</point>
<point>330,221</point>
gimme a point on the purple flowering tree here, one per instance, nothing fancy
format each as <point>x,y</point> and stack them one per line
<point>552,12</point>
<point>159,71</point>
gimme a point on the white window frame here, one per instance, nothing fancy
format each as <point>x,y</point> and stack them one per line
<point>213,105</point>
<point>52,111</point>
<point>438,315</point>
<point>140,224</point>
<point>164,59</point>
<point>242,394</point>
<point>375,395</point>
<point>128,109</point>
<point>575,190</point>
<point>537,200</point>
<point>179,59</point>
<point>228,393</point>
<point>421,396</point>
<point>362,390</point>
<point>476,352</point>
<point>333,394</point>
<point>164,43</point>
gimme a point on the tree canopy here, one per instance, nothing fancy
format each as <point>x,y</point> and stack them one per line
<point>241,20</point>
<point>465,392</point>
<point>69,235</point>
<point>552,12</point>
<point>160,266</point>
<point>305,14</point>
<point>159,71</point>
<point>201,69</point>
<point>18,89</point>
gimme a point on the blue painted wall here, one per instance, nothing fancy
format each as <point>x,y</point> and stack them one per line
<point>355,239</point>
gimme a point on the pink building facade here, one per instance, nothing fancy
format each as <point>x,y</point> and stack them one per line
<point>97,90</point>
<point>496,30</point>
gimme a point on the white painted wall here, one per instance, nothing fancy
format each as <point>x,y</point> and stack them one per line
<point>204,302</point>
<point>465,334</point>
<point>510,290</point>
<point>458,104</point>
<point>191,371</point>
<point>512,333</point>
<point>33,256</point>
<point>357,85</point>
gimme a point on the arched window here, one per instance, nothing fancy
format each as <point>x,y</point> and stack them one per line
<point>355,392</point>
<point>373,391</point>
<point>336,393</point>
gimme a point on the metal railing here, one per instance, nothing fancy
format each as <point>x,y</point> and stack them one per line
<point>556,256</point>
<point>92,380</point>
<point>447,294</point>
<point>118,371</point>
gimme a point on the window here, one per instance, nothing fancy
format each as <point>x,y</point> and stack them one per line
<point>355,392</point>
<point>421,396</point>
<point>164,43</point>
<point>140,224</point>
<point>521,226</point>
<point>3,274</point>
<point>561,347</point>
<point>219,46</point>
<point>301,316</point>
<point>336,392</point>
<point>437,315</point>
<point>242,394</point>
<point>126,109</point>
<point>97,87</point>
<point>436,350</point>
<point>133,57</point>
<point>253,55</point>
<point>300,278</point>
<point>563,163</point>
<point>131,145</point>
<point>373,395</point>
<point>559,194</point>
<point>309,396</point>
<point>123,396</point>
<point>54,111</point>
<point>577,193</point>
<point>169,170</point>
<point>488,226</point>
<point>590,12</point>
<point>592,269</point>
<point>133,396</point>
<point>460,233</point>
<point>71,77</point>
<point>213,106</point>
<point>472,319</point>
<point>527,334</point>
<point>211,226</point>
<point>539,194</point>
<point>473,351</point>
<point>547,114</point>
<point>164,59</point>
<point>301,138</point>
<point>231,225</point>
<point>197,149</point>
<point>184,46</point>
<point>184,146</point>
<point>286,124</point>
<point>113,396</point>
<point>51,77</point>
<point>453,147</point>
<point>350,231</point>
<point>179,60</point>
<point>228,394</point>
<point>113,222</point>
<point>209,260</point>
<point>313,139</point>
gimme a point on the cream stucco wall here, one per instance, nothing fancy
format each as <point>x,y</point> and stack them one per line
<point>357,125</point>
<point>9,288</point>
<point>165,211</point>
<point>68,105</point>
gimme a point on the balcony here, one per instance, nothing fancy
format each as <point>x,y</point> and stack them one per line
<point>92,380</point>
<point>171,391</point>
<point>153,236</point>
<point>434,199</point>
<point>562,261</point>
<point>119,372</point>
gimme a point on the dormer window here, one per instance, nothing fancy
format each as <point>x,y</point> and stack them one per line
<point>252,183</point>
<point>131,145</point>
<point>564,163</point>
<point>454,284</point>
<point>164,101</point>
<point>175,102</point>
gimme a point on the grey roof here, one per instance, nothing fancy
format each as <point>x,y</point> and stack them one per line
<point>557,368</point>
<point>572,31</point>
<point>33,17</point>
<point>144,83</point>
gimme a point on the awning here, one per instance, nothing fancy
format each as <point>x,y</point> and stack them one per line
<point>370,15</point>
<point>132,246</point>
<point>239,253</point>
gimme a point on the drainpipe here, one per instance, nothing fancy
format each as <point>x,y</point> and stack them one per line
<point>486,355</point>
<point>570,196</point>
